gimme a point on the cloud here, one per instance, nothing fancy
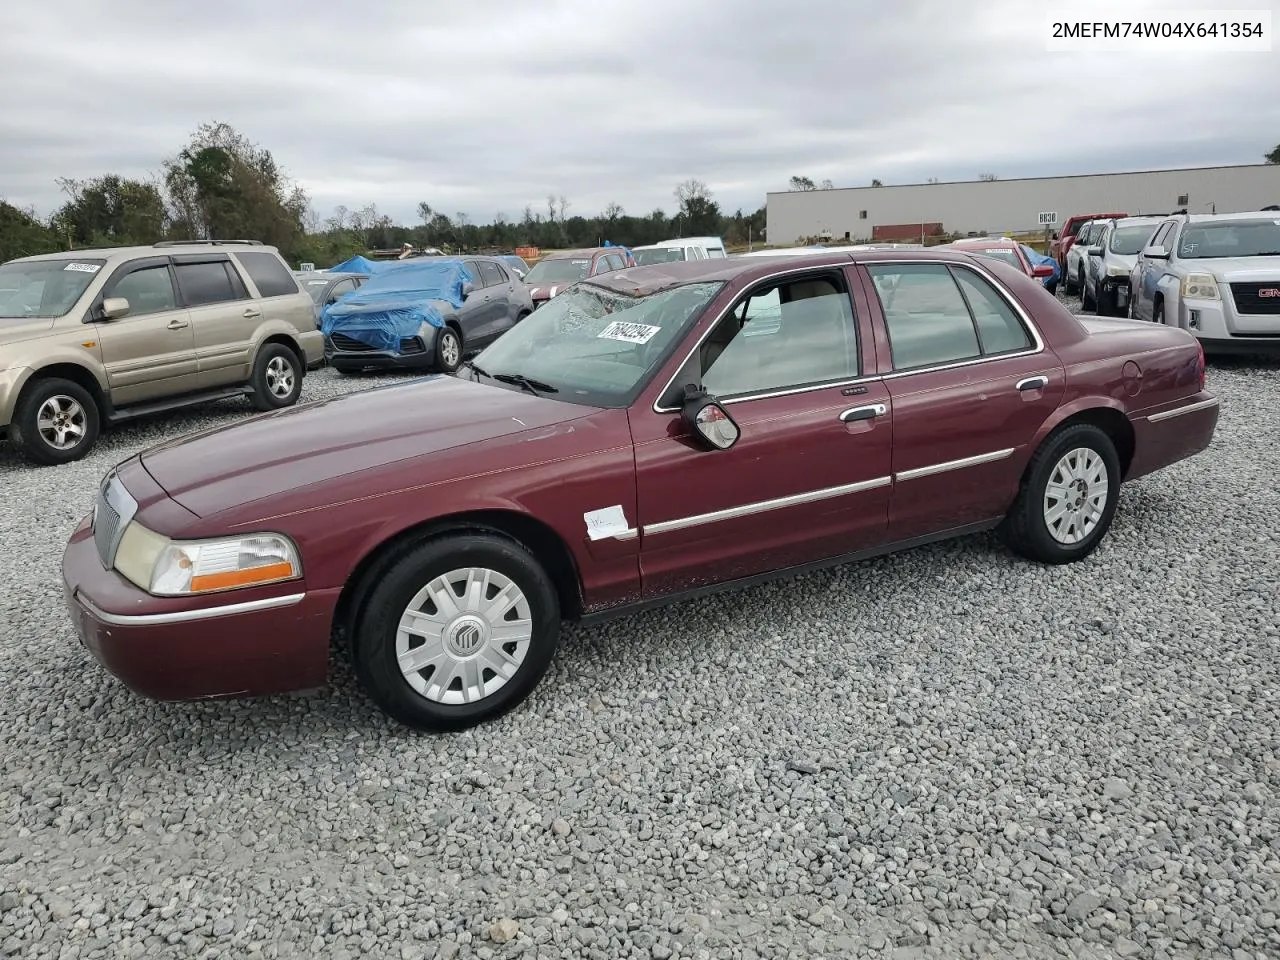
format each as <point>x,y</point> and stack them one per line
<point>487,106</point>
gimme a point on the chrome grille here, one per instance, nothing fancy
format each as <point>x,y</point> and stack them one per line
<point>112,512</point>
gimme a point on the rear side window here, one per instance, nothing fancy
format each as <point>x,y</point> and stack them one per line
<point>936,316</point>
<point>490,273</point>
<point>203,283</point>
<point>268,273</point>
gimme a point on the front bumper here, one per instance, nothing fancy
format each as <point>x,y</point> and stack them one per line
<point>1215,324</point>
<point>355,357</point>
<point>241,643</point>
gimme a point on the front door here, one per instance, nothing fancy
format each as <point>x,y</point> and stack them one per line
<point>149,352</point>
<point>809,478</point>
<point>971,384</point>
<point>1149,272</point>
<point>499,317</point>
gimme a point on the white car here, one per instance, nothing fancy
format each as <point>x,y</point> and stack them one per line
<point>669,251</point>
<point>713,245</point>
<point>1078,256</point>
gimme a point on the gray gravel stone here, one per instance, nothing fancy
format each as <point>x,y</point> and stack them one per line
<point>966,712</point>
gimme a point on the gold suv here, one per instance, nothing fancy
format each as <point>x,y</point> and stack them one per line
<point>98,336</point>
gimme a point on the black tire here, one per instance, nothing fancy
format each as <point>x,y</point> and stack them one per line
<point>1053,288</point>
<point>448,358</point>
<point>76,408</point>
<point>374,641</point>
<point>1103,306</point>
<point>1157,312</point>
<point>1070,285</point>
<point>277,377</point>
<point>1086,301</point>
<point>1025,529</point>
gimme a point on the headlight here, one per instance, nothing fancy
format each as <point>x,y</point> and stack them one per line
<point>175,568</point>
<point>1200,286</point>
<point>1117,270</point>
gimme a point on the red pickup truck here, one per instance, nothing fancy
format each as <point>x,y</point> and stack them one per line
<point>1063,239</point>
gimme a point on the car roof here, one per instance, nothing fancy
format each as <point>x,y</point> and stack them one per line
<point>642,281</point>
<point>153,250</point>
<point>580,253</point>
<point>1137,221</point>
<point>1228,217</point>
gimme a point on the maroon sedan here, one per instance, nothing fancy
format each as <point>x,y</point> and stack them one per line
<point>648,435</point>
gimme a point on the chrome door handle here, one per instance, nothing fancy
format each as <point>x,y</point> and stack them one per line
<point>1033,383</point>
<point>864,413</point>
<point>176,324</point>
<point>251,312</point>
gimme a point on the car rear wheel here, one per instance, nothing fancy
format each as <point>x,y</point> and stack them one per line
<point>56,421</point>
<point>1068,497</point>
<point>277,377</point>
<point>1069,282</point>
<point>1157,312</point>
<point>1104,306</point>
<point>457,631</point>
<point>448,350</point>
<point>1086,301</point>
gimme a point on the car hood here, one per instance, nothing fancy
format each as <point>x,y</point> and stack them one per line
<point>17,329</point>
<point>1128,261</point>
<point>1241,269</point>
<point>278,452</point>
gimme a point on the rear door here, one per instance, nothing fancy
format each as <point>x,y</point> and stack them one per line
<point>476,313</point>
<point>223,313</point>
<point>501,315</point>
<point>810,477</point>
<point>149,352</point>
<point>971,383</point>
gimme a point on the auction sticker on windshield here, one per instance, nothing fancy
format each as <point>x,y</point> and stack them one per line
<point>83,267</point>
<point>629,332</point>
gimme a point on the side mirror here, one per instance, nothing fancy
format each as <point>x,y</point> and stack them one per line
<point>1095,251</point>
<point>1042,270</point>
<point>1155,253</point>
<point>708,419</point>
<point>113,308</point>
<point>468,288</point>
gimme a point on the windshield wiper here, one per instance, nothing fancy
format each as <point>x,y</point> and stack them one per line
<point>474,366</point>
<point>528,383</point>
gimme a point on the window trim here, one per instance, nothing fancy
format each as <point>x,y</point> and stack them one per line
<point>973,318</point>
<point>856,265</point>
<point>777,280</point>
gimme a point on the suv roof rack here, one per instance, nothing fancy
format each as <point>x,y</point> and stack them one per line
<point>200,243</point>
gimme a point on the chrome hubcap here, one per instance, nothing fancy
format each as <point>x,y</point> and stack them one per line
<point>464,636</point>
<point>1076,495</point>
<point>61,422</point>
<point>280,378</point>
<point>449,349</point>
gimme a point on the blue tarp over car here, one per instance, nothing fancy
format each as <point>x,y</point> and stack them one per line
<point>358,264</point>
<point>396,302</point>
<point>1036,259</point>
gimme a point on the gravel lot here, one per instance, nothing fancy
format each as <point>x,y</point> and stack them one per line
<point>944,753</point>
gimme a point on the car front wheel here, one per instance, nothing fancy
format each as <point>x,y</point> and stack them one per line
<point>457,631</point>
<point>56,421</point>
<point>1068,497</point>
<point>448,350</point>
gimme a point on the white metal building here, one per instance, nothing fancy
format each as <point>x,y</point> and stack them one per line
<point>1008,206</point>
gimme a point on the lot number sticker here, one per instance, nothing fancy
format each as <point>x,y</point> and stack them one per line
<point>628,332</point>
<point>83,267</point>
<point>608,522</point>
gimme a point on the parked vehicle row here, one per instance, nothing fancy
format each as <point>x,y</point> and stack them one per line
<point>1020,256</point>
<point>1216,276</point>
<point>632,442</point>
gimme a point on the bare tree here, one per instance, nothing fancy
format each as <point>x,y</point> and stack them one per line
<point>802,183</point>
<point>876,183</point>
<point>425,213</point>
<point>563,205</point>
<point>613,211</point>
<point>827,185</point>
<point>551,207</point>
<point>461,219</point>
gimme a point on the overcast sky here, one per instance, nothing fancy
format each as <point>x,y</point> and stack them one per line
<point>484,106</point>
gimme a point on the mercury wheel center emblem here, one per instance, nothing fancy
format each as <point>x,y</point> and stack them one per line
<point>467,639</point>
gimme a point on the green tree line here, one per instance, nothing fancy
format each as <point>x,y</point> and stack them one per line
<point>222,186</point>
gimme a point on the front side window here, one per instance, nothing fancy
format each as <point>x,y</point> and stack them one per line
<point>559,271</point>
<point>340,288</point>
<point>787,336</point>
<point>206,283</point>
<point>936,315</point>
<point>594,345</point>
<point>1161,237</point>
<point>149,290</point>
<point>44,288</point>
